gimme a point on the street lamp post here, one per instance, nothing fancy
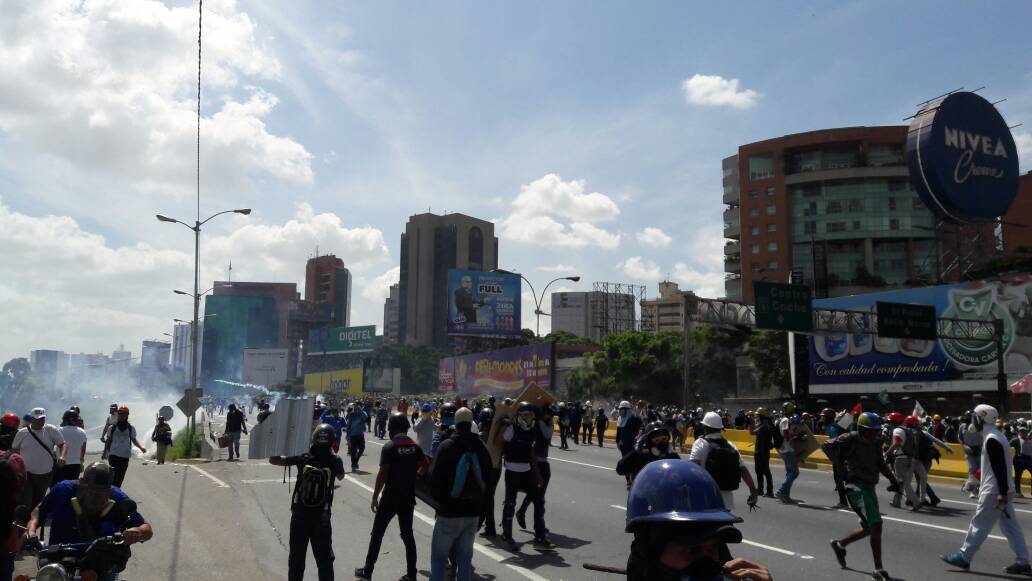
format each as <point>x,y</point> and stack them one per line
<point>537,300</point>
<point>196,301</point>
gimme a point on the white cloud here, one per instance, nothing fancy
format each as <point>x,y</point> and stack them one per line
<point>703,273</point>
<point>716,91</point>
<point>380,287</point>
<point>640,269</point>
<point>538,205</point>
<point>558,269</point>
<point>1024,142</point>
<point>111,87</point>
<point>93,295</point>
<point>654,238</point>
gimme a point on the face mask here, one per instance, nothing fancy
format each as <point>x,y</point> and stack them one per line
<point>978,422</point>
<point>123,424</point>
<point>660,449</point>
<point>704,569</point>
<point>524,423</point>
<point>92,504</point>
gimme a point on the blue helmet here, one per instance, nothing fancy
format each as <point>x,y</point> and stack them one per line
<point>675,491</point>
<point>426,407</point>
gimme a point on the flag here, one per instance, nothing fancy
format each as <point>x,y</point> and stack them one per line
<point>857,409</point>
<point>1023,385</point>
<point>918,410</point>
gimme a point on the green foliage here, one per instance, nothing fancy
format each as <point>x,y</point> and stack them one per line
<point>769,352</point>
<point>15,373</point>
<point>562,338</point>
<point>418,364</point>
<point>178,448</point>
<point>1019,261</point>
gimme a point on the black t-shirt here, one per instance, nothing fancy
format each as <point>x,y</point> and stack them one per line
<point>234,421</point>
<point>331,461</point>
<point>402,456</point>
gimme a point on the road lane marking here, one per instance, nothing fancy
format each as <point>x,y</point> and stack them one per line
<point>583,464</point>
<point>268,480</point>
<point>976,504</point>
<point>618,506</point>
<point>490,554</point>
<point>924,524</point>
<point>769,548</point>
<point>209,476</point>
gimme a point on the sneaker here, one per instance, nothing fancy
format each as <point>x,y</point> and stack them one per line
<point>407,577</point>
<point>769,495</point>
<point>507,539</point>
<point>881,575</point>
<point>895,505</point>
<point>840,553</point>
<point>521,519</point>
<point>840,505</point>
<point>489,533</point>
<point>957,560</point>
<point>784,498</point>
<point>542,542</point>
<point>972,495</point>
<point>934,502</point>
<point>1019,569</point>
<point>916,507</point>
<point>363,574</point>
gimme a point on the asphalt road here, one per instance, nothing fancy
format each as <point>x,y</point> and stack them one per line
<point>225,520</point>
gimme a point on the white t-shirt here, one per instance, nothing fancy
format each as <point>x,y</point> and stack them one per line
<point>121,441</point>
<point>74,438</point>
<point>700,451</point>
<point>786,446</point>
<point>38,459</point>
<point>508,435</point>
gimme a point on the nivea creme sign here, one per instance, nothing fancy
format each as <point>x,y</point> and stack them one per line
<point>962,158</point>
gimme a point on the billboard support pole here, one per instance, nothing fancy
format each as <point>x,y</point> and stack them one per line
<point>687,358</point>
<point>1001,366</point>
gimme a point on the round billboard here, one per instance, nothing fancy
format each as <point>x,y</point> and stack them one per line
<point>962,159</point>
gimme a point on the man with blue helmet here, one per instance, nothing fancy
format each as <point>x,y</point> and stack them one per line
<point>681,527</point>
<point>858,455</point>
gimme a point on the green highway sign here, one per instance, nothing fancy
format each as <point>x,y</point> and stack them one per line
<point>342,340</point>
<point>783,307</point>
<point>903,321</point>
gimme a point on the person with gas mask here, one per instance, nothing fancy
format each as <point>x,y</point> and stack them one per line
<point>121,437</point>
<point>682,537</point>
<point>994,498</point>
<point>88,508</point>
<point>627,426</point>
<point>311,503</point>
<point>654,445</point>
<point>545,426</point>
<point>522,471</point>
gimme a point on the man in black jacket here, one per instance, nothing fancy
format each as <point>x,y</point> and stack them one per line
<point>458,477</point>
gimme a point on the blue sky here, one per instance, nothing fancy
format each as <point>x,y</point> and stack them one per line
<point>569,123</point>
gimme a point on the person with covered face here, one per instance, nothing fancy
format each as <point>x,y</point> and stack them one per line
<point>121,437</point>
<point>679,536</point>
<point>88,508</point>
<point>522,471</point>
<point>627,426</point>
<point>654,445</point>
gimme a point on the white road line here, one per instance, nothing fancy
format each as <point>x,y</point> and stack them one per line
<point>769,548</point>
<point>268,480</point>
<point>617,506</point>
<point>490,554</point>
<point>209,476</point>
<point>926,525</point>
<point>610,468</point>
<point>975,504</point>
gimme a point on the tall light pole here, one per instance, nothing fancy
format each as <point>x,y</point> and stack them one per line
<point>196,299</point>
<point>537,300</point>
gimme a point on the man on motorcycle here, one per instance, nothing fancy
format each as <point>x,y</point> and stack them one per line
<point>87,509</point>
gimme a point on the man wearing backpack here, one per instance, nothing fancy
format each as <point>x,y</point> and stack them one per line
<point>401,460</point>
<point>310,504</point>
<point>722,460</point>
<point>903,451</point>
<point>767,438</point>
<point>522,471</point>
<point>121,437</point>
<point>458,479</point>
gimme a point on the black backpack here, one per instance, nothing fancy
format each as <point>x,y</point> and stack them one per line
<point>925,450</point>
<point>314,488</point>
<point>776,437</point>
<point>722,463</point>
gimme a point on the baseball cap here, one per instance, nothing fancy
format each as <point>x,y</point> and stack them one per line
<point>38,413</point>
<point>98,476</point>
<point>464,416</point>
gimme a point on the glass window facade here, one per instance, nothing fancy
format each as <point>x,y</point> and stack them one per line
<point>866,205</point>
<point>772,247</point>
<point>771,210</point>
<point>761,166</point>
<point>772,227</point>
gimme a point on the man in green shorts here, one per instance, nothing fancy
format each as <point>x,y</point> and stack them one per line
<point>858,456</point>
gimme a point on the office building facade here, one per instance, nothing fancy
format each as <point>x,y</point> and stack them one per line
<point>666,312</point>
<point>593,314</point>
<point>390,315</point>
<point>430,246</point>
<point>328,281</point>
<point>47,366</point>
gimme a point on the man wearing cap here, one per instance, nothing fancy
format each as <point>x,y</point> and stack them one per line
<point>36,443</point>
<point>121,437</point>
<point>89,508</point>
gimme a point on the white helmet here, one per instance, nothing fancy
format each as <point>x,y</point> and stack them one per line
<point>625,405</point>
<point>712,420</point>
<point>587,403</point>
<point>987,414</point>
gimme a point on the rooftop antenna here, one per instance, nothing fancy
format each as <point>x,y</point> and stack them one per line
<point>230,270</point>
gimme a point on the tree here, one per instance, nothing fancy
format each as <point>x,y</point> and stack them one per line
<point>15,373</point>
<point>769,352</point>
<point>418,363</point>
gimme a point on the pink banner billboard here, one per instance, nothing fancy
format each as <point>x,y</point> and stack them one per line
<point>501,373</point>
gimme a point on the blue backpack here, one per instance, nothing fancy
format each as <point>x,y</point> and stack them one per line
<point>469,478</point>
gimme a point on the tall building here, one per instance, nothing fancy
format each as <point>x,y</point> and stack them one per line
<point>327,281</point>
<point>834,204</point>
<point>430,246</point>
<point>390,315</point>
<point>46,366</point>
<point>666,312</point>
<point>584,313</point>
<point>1017,222</point>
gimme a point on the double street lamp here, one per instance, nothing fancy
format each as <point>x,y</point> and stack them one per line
<point>196,295</point>
<point>537,300</point>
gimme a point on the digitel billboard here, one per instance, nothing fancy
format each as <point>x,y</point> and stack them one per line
<point>850,363</point>
<point>501,373</point>
<point>483,303</point>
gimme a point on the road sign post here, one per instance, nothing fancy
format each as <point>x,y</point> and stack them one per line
<point>189,404</point>
<point>783,307</point>
<point>904,321</point>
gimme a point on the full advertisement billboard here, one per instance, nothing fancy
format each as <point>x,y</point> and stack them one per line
<point>856,363</point>
<point>501,373</point>
<point>483,303</point>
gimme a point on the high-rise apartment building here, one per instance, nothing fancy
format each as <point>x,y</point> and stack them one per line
<point>585,313</point>
<point>47,366</point>
<point>666,312</point>
<point>390,315</point>
<point>327,281</point>
<point>182,356</point>
<point>430,246</point>
<point>834,204</point>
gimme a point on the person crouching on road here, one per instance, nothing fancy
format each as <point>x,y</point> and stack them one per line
<point>401,460</point>
<point>653,446</point>
<point>993,499</point>
<point>458,479</point>
<point>310,505</point>
<point>859,457</point>
<point>682,536</point>
<point>723,461</point>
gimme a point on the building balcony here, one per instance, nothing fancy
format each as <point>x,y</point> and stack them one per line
<point>731,198</point>
<point>733,264</point>
<point>732,248</point>
<point>732,230</point>
<point>733,288</point>
<point>732,215</point>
